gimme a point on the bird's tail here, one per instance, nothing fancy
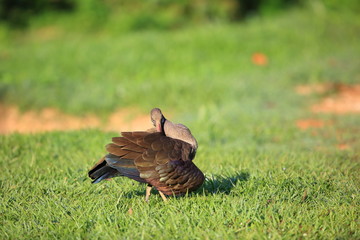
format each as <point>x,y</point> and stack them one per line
<point>102,171</point>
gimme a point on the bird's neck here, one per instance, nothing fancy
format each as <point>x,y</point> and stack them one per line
<point>180,132</point>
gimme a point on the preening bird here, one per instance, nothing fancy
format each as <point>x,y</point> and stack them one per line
<point>161,157</point>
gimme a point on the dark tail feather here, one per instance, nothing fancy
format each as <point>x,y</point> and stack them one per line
<point>102,171</point>
<point>112,166</point>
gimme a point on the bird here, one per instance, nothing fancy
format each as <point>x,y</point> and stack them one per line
<point>161,157</point>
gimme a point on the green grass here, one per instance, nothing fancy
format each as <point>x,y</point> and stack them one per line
<point>265,178</point>
<point>249,193</point>
<point>190,68</point>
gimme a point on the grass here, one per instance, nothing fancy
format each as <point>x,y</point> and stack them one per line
<point>265,178</point>
<point>249,193</point>
<point>183,67</point>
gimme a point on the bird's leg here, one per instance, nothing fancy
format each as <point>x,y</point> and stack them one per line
<point>163,196</point>
<point>148,192</point>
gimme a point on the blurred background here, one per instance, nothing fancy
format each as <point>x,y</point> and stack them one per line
<point>139,15</point>
<point>269,88</point>
<point>68,64</point>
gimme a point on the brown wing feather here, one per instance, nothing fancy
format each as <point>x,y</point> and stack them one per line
<point>135,137</point>
<point>154,158</point>
<point>168,165</point>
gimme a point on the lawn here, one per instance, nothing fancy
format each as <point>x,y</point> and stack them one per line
<point>265,177</point>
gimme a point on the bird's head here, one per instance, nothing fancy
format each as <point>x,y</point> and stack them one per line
<point>158,119</point>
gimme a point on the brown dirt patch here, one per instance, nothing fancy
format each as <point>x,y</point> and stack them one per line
<point>312,88</point>
<point>343,146</point>
<point>49,119</point>
<point>337,99</point>
<point>304,124</point>
<point>344,98</point>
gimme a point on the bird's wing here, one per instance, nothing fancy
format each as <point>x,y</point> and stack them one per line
<point>161,161</point>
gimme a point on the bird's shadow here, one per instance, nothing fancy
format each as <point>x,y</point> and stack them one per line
<point>213,184</point>
<point>216,184</point>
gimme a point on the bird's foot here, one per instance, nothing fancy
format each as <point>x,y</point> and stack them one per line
<point>148,193</point>
<point>163,196</point>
